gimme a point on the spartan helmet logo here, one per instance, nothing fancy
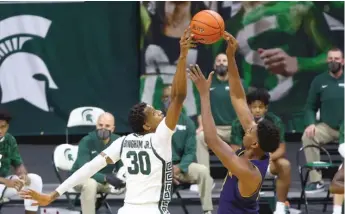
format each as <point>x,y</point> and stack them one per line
<point>87,115</point>
<point>17,67</point>
<point>68,154</point>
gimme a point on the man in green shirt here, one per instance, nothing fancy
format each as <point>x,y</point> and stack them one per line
<point>222,109</point>
<point>279,166</point>
<point>9,156</point>
<point>89,147</point>
<point>183,156</point>
<point>327,94</point>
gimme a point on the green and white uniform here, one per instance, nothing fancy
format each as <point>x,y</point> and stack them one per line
<point>147,159</point>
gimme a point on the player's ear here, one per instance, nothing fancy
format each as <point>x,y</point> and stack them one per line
<point>146,127</point>
<point>255,145</point>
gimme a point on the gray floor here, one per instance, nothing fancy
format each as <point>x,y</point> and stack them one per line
<point>37,158</point>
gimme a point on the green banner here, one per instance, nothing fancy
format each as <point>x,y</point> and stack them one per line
<point>301,33</point>
<point>55,57</point>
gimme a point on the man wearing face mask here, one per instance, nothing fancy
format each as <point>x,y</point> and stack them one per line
<point>89,147</point>
<point>326,94</point>
<point>185,168</point>
<point>222,109</point>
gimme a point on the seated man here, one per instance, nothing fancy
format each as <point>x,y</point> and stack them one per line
<point>9,156</point>
<point>258,101</point>
<point>184,156</point>
<point>337,185</point>
<point>89,147</point>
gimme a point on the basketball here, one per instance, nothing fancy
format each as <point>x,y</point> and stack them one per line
<point>207,27</point>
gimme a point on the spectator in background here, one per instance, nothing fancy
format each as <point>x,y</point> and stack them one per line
<point>183,147</point>
<point>338,181</point>
<point>9,156</point>
<point>163,24</point>
<point>89,147</point>
<point>222,110</point>
<point>258,101</point>
<point>327,94</point>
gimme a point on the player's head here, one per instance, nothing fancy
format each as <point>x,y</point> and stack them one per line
<point>335,60</point>
<point>263,136</point>
<point>166,97</point>
<point>143,118</point>
<point>5,119</point>
<point>258,101</point>
<point>105,125</point>
<point>221,64</point>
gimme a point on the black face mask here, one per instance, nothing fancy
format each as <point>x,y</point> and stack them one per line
<point>103,134</point>
<point>334,67</point>
<point>221,70</point>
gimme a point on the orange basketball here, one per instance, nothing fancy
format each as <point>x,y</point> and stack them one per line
<point>207,26</point>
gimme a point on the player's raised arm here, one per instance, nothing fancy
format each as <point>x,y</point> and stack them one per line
<point>179,84</point>
<point>109,155</point>
<point>240,167</point>
<point>237,94</point>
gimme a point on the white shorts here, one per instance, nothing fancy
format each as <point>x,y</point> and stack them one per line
<point>142,209</point>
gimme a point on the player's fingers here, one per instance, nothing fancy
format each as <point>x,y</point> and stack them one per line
<point>209,78</point>
<point>191,75</point>
<point>201,75</point>
<point>195,71</point>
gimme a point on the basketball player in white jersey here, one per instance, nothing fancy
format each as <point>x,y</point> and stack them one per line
<point>146,154</point>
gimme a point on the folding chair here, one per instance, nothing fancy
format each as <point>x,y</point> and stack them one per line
<point>83,116</point>
<point>176,189</point>
<point>64,157</point>
<point>305,169</point>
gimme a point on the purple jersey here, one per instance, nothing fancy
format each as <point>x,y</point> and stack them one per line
<point>231,201</point>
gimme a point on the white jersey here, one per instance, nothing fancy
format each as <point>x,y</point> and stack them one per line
<point>147,159</point>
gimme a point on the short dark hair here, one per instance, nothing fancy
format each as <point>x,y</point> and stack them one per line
<point>5,115</point>
<point>137,117</point>
<point>334,49</point>
<point>258,94</point>
<point>268,135</point>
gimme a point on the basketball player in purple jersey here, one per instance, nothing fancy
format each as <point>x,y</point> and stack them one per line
<point>248,166</point>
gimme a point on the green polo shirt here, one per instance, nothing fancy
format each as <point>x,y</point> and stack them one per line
<point>237,131</point>
<point>222,109</point>
<point>327,94</point>
<point>9,155</point>
<point>89,147</point>
<point>184,143</point>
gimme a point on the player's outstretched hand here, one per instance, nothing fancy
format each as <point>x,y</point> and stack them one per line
<point>232,44</point>
<point>199,80</point>
<point>186,42</point>
<point>41,199</point>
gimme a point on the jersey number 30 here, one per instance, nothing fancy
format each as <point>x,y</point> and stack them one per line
<point>140,163</point>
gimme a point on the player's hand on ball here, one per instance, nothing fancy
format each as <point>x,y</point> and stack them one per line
<point>278,61</point>
<point>199,80</point>
<point>232,44</point>
<point>41,199</point>
<point>186,42</point>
